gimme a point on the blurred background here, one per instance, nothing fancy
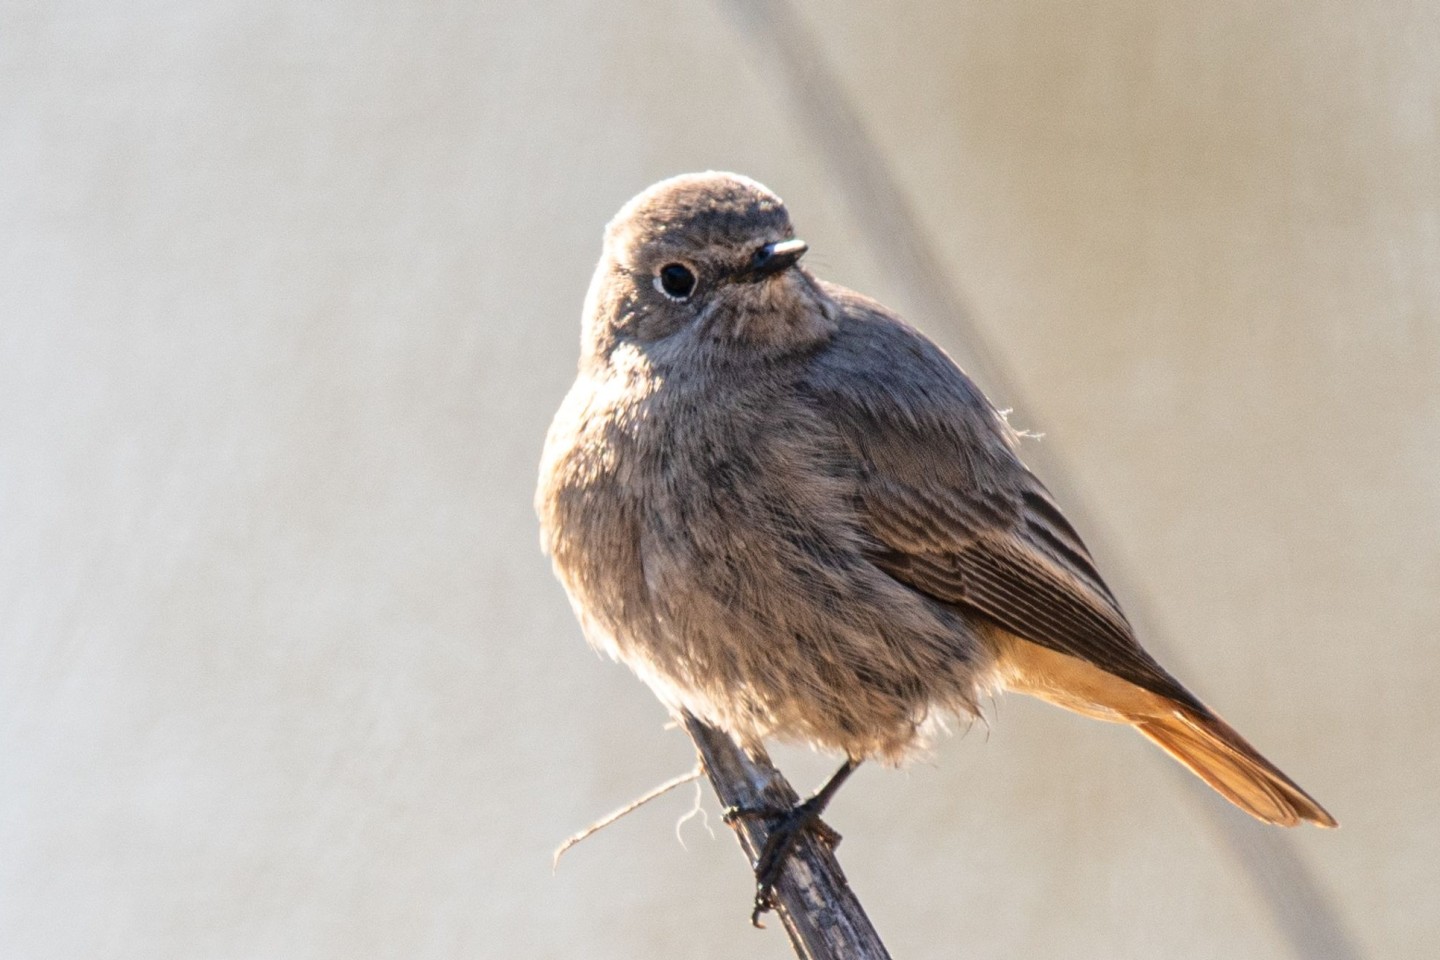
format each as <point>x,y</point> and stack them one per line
<point>289,294</point>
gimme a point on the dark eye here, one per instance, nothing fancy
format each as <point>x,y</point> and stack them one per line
<point>676,281</point>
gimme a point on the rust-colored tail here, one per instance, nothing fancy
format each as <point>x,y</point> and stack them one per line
<point>1215,753</point>
<point>1179,724</point>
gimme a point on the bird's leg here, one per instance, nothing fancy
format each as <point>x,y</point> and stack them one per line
<point>786,831</point>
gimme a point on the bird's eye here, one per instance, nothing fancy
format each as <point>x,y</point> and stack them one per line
<point>676,281</point>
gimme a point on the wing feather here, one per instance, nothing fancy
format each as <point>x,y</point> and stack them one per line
<point>951,510</point>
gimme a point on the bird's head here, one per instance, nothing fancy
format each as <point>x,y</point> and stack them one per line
<point>710,257</point>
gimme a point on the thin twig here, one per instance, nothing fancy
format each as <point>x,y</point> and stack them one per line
<point>820,912</point>
<point>629,808</point>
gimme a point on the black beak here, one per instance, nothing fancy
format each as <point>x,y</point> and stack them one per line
<point>773,258</point>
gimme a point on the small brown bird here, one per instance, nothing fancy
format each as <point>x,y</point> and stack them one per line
<point>794,516</point>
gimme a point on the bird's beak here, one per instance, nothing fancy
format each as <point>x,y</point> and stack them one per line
<point>773,258</point>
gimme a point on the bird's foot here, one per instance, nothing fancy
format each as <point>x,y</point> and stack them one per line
<point>784,831</point>
<point>827,834</point>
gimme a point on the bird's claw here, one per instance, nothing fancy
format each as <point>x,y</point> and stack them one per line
<point>779,843</point>
<point>757,812</point>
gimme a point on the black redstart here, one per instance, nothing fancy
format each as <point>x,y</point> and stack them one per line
<point>794,516</point>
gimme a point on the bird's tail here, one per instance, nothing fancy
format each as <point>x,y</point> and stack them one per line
<point>1180,725</point>
<point>1215,753</point>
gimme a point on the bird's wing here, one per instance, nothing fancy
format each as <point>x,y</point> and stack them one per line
<point>949,508</point>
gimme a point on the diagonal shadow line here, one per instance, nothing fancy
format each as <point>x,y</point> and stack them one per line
<point>1300,908</point>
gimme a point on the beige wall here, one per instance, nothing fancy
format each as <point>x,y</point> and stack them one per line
<point>288,294</point>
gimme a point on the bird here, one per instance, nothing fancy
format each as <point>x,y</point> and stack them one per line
<point>792,515</point>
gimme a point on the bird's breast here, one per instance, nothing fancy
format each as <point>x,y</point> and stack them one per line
<point>665,486</point>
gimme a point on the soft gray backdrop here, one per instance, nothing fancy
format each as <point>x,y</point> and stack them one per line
<point>289,292</point>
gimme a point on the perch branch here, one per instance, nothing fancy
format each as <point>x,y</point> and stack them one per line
<point>821,914</point>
